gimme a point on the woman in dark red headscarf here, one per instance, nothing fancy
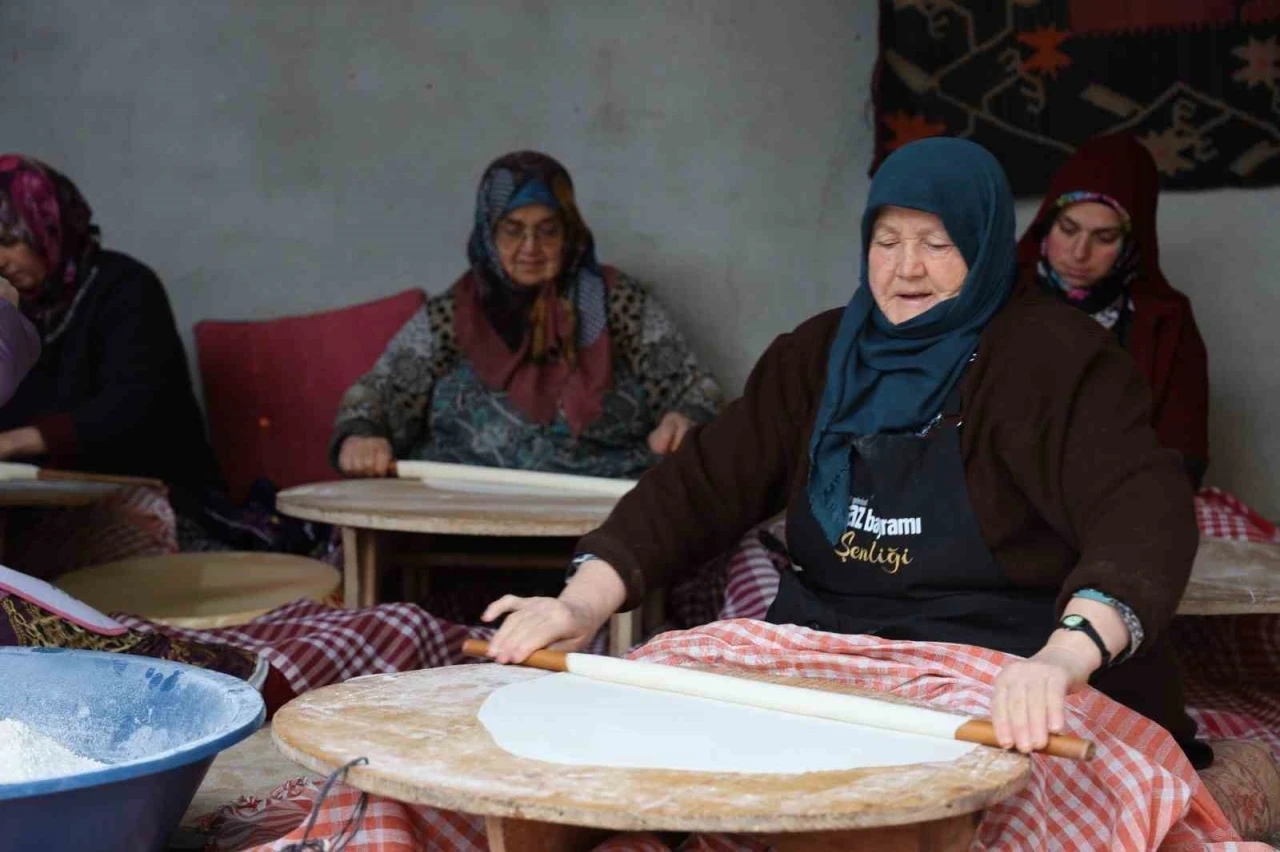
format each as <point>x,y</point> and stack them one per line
<point>1093,244</point>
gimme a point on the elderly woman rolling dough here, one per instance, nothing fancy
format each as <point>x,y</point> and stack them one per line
<point>538,357</point>
<point>958,463</point>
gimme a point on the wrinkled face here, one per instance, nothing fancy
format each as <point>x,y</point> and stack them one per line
<point>1084,242</point>
<point>530,244</point>
<point>23,268</point>
<point>912,264</point>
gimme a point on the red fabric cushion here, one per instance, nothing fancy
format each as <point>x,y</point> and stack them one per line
<point>272,388</point>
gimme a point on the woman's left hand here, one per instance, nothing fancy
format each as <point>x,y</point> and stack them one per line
<point>20,443</point>
<point>1030,696</point>
<point>8,292</point>
<point>670,433</point>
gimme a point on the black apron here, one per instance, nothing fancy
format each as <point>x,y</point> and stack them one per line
<point>911,563</point>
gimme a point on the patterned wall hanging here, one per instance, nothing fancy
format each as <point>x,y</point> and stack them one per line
<point>1197,81</point>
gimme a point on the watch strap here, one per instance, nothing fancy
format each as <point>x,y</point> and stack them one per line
<point>1081,624</point>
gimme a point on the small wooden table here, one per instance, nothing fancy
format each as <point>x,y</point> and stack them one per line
<point>425,746</point>
<point>52,494</point>
<point>367,510</point>
<point>47,494</point>
<point>202,591</point>
<point>1233,578</point>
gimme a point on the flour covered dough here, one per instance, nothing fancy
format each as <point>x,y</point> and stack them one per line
<point>572,720</point>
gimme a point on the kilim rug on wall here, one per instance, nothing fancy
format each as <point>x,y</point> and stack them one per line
<point>1196,81</point>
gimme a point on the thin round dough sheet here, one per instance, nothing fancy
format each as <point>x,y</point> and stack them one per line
<point>572,720</point>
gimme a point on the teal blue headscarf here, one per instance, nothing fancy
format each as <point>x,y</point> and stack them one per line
<point>885,378</point>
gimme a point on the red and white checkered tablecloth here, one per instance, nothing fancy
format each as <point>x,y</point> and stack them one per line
<point>1221,514</point>
<point>312,645</point>
<point>1138,793</point>
<point>127,523</point>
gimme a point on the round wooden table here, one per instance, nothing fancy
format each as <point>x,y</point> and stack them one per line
<point>202,591</point>
<point>367,510</point>
<point>425,746</point>
<point>45,494</point>
<point>1233,578</point>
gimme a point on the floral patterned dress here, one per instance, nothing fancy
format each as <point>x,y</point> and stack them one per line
<point>425,398</point>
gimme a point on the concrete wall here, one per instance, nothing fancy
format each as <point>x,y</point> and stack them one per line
<point>280,157</point>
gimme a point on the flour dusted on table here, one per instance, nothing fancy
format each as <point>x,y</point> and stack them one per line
<point>28,755</point>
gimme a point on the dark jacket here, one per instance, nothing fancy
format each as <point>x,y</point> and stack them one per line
<point>19,349</point>
<point>1068,481</point>
<point>112,394</point>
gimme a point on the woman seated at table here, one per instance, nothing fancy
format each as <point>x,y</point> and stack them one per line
<point>958,463</point>
<point>111,392</point>
<point>538,357</point>
<point>1093,245</point>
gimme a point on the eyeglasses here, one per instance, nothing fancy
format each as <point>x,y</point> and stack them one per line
<point>509,231</point>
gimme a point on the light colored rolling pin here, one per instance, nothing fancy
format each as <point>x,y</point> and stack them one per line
<point>787,699</point>
<point>16,472</point>
<point>442,474</point>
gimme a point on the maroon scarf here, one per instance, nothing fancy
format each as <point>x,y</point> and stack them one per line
<point>549,347</point>
<point>1163,338</point>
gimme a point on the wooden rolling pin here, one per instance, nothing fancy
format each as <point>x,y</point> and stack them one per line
<point>440,473</point>
<point>787,699</point>
<point>16,472</point>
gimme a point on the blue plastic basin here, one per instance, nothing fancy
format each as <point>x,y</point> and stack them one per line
<point>158,726</point>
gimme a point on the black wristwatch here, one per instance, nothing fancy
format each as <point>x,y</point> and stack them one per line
<point>1072,621</point>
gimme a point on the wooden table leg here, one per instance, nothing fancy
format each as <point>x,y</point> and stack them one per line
<point>411,575</point>
<point>360,567</point>
<point>628,629</point>
<point>655,611</point>
<point>624,631</point>
<point>519,835</point>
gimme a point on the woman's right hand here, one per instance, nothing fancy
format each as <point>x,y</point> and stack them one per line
<point>566,623</point>
<point>536,623</point>
<point>365,456</point>
<point>9,293</point>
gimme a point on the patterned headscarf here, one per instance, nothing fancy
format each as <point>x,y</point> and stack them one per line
<point>42,208</point>
<point>547,346</point>
<point>1107,298</point>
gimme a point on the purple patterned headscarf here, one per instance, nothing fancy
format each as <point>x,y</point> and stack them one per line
<point>42,208</point>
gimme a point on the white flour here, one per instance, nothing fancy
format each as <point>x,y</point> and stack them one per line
<point>28,755</point>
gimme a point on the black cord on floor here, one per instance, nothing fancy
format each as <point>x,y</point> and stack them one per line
<point>349,829</point>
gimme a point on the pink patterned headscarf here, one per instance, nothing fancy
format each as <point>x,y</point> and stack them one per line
<point>42,208</point>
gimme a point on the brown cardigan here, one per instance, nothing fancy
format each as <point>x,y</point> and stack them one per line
<point>1067,478</point>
